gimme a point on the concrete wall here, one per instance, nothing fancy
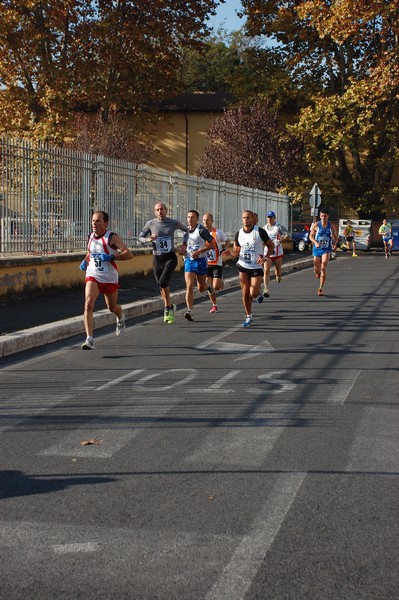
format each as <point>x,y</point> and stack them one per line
<point>34,274</point>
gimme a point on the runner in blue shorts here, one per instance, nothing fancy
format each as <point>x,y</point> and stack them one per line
<point>197,242</point>
<point>386,231</point>
<point>324,238</point>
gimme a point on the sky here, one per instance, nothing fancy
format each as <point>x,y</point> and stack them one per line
<point>226,16</point>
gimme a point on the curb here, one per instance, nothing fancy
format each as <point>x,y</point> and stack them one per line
<point>59,330</point>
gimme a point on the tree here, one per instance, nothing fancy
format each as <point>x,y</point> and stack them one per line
<point>107,55</point>
<point>240,65</point>
<point>249,147</point>
<point>345,54</point>
<point>116,137</point>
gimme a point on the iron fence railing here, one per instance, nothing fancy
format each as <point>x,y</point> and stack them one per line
<point>48,194</point>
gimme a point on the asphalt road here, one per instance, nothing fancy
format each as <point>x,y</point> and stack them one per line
<point>224,463</point>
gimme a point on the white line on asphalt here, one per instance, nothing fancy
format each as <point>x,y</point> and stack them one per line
<point>238,575</point>
<point>239,447</point>
<point>109,384</point>
<point>107,442</point>
<point>342,390</point>
<point>216,338</point>
<point>75,548</point>
<point>375,446</point>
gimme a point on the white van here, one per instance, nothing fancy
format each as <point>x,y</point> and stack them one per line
<point>361,230</point>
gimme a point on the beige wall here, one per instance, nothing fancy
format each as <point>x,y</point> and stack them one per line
<point>170,134</point>
<point>33,274</point>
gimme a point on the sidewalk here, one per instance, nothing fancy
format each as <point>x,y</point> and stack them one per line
<point>30,322</point>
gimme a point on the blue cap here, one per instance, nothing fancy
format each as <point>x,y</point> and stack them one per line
<point>271,214</point>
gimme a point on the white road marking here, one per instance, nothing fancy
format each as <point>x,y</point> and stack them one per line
<point>261,348</point>
<point>247,350</point>
<point>342,390</point>
<point>216,338</point>
<point>375,446</point>
<point>241,447</point>
<point>109,384</point>
<point>238,575</point>
<point>75,548</point>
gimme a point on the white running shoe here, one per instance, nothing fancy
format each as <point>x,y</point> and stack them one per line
<point>248,322</point>
<point>88,344</point>
<point>188,315</point>
<point>120,325</point>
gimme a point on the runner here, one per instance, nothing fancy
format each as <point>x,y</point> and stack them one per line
<point>249,245</point>
<point>324,238</point>
<point>160,232</point>
<point>275,233</point>
<point>386,231</point>
<point>349,236</point>
<point>104,248</point>
<point>197,242</point>
<point>214,257</point>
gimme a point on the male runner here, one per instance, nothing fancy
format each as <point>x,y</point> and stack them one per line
<point>197,242</point>
<point>249,245</point>
<point>161,233</point>
<point>214,258</point>
<point>324,238</point>
<point>349,235</point>
<point>103,249</point>
<point>386,231</point>
<point>275,233</point>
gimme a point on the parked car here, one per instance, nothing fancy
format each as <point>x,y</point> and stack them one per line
<point>300,236</point>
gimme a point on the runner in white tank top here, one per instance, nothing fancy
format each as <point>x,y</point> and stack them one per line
<point>249,245</point>
<point>103,249</point>
<point>275,233</point>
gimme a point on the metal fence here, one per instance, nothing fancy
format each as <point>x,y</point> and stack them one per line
<point>48,195</point>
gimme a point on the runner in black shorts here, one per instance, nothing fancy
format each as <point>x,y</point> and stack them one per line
<point>161,233</point>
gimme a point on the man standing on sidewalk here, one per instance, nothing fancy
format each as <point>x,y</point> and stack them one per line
<point>161,233</point>
<point>103,249</point>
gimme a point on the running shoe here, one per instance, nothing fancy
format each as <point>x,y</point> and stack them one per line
<point>88,344</point>
<point>354,255</point>
<point>266,294</point>
<point>279,279</point>
<point>248,322</point>
<point>320,292</point>
<point>166,315</point>
<point>214,309</point>
<point>259,299</point>
<point>188,315</point>
<point>171,314</point>
<point>120,325</point>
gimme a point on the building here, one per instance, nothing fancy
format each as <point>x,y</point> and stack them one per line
<point>180,132</point>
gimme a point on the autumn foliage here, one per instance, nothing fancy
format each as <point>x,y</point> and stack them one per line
<point>249,147</point>
<point>345,55</point>
<point>58,57</point>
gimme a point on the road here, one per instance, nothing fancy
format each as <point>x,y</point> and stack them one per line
<point>224,463</point>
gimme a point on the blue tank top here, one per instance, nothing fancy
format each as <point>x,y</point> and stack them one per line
<point>324,237</point>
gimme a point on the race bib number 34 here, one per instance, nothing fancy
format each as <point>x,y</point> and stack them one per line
<point>163,244</point>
